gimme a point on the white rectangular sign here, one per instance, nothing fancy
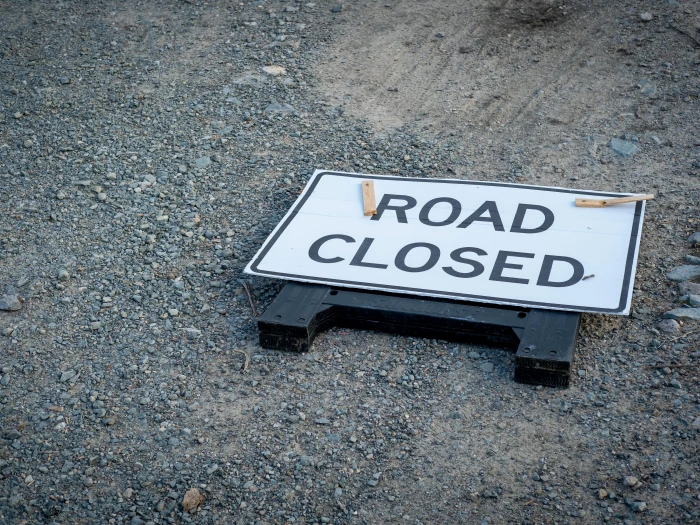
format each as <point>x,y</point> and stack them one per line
<point>478,241</point>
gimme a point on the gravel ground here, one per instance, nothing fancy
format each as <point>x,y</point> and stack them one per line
<point>146,150</point>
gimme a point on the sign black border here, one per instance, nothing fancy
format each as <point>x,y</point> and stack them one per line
<point>270,241</point>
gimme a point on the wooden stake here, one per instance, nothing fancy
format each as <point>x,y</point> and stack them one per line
<point>368,199</point>
<point>603,203</point>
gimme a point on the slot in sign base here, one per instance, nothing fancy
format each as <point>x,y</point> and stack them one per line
<point>543,340</point>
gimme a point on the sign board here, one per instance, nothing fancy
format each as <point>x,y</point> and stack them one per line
<point>490,242</point>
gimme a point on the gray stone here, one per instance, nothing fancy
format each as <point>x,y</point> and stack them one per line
<point>630,481</point>
<point>322,421</point>
<point>688,288</point>
<point>68,375</point>
<point>10,303</point>
<point>202,162</point>
<point>669,326</point>
<point>683,313</point>
<point>486,367</point>
<point>684,273</point>
<point>690,299</point>
<point>306,460</point>
<point>623,148</point>
<point>637,506</point>
<point>474,355</point>
<point>647,87</point>
<point>646,17</point>
<point>694,239</point>
<point>691,259</point>
<point>279,108</point>
<point>337,8</point>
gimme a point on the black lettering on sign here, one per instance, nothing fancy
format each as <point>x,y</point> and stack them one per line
<point>384,204</point>
<point>502,263</point>
<point>360,255</point>
<point>477,267</point>
<point>517,226</point>
<point>400,260</point>
<point>316,246</point>
<point>424,216</point>
<point>493,217</point>
<point>546,271</point>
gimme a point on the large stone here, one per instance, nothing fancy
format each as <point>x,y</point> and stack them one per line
<point>694,238</point>
<point>486,367</point>
<point>684,273</point>
<point>274,70</point>
<point>623,148</point>
<point>68,375</point>
<point>669,326</point>
<point>193,499</point>
<point>202,162</point>
<point>279,108</point>
<point>688,288</point>
<point>647,87</point>
<point>683,313</point>
<point>10,303</point>
<point>691,299</point>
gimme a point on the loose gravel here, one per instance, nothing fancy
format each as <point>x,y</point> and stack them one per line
<point>146,151</point>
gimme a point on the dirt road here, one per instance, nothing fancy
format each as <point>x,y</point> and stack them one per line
<point>147,149</point>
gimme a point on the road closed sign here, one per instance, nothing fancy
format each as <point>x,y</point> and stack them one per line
<point>489,242</point>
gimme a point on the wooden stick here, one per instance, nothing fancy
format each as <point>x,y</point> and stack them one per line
<point>368,199</point>
<point>603,203</point>
<point>250,298</point>
<point>246,364</point>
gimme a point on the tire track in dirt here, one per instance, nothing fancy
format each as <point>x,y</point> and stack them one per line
<point>422,63</point>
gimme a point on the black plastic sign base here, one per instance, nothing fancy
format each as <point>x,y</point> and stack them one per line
<point>543,340</point>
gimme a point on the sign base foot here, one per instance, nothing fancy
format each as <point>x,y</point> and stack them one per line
<point>543,340</point>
